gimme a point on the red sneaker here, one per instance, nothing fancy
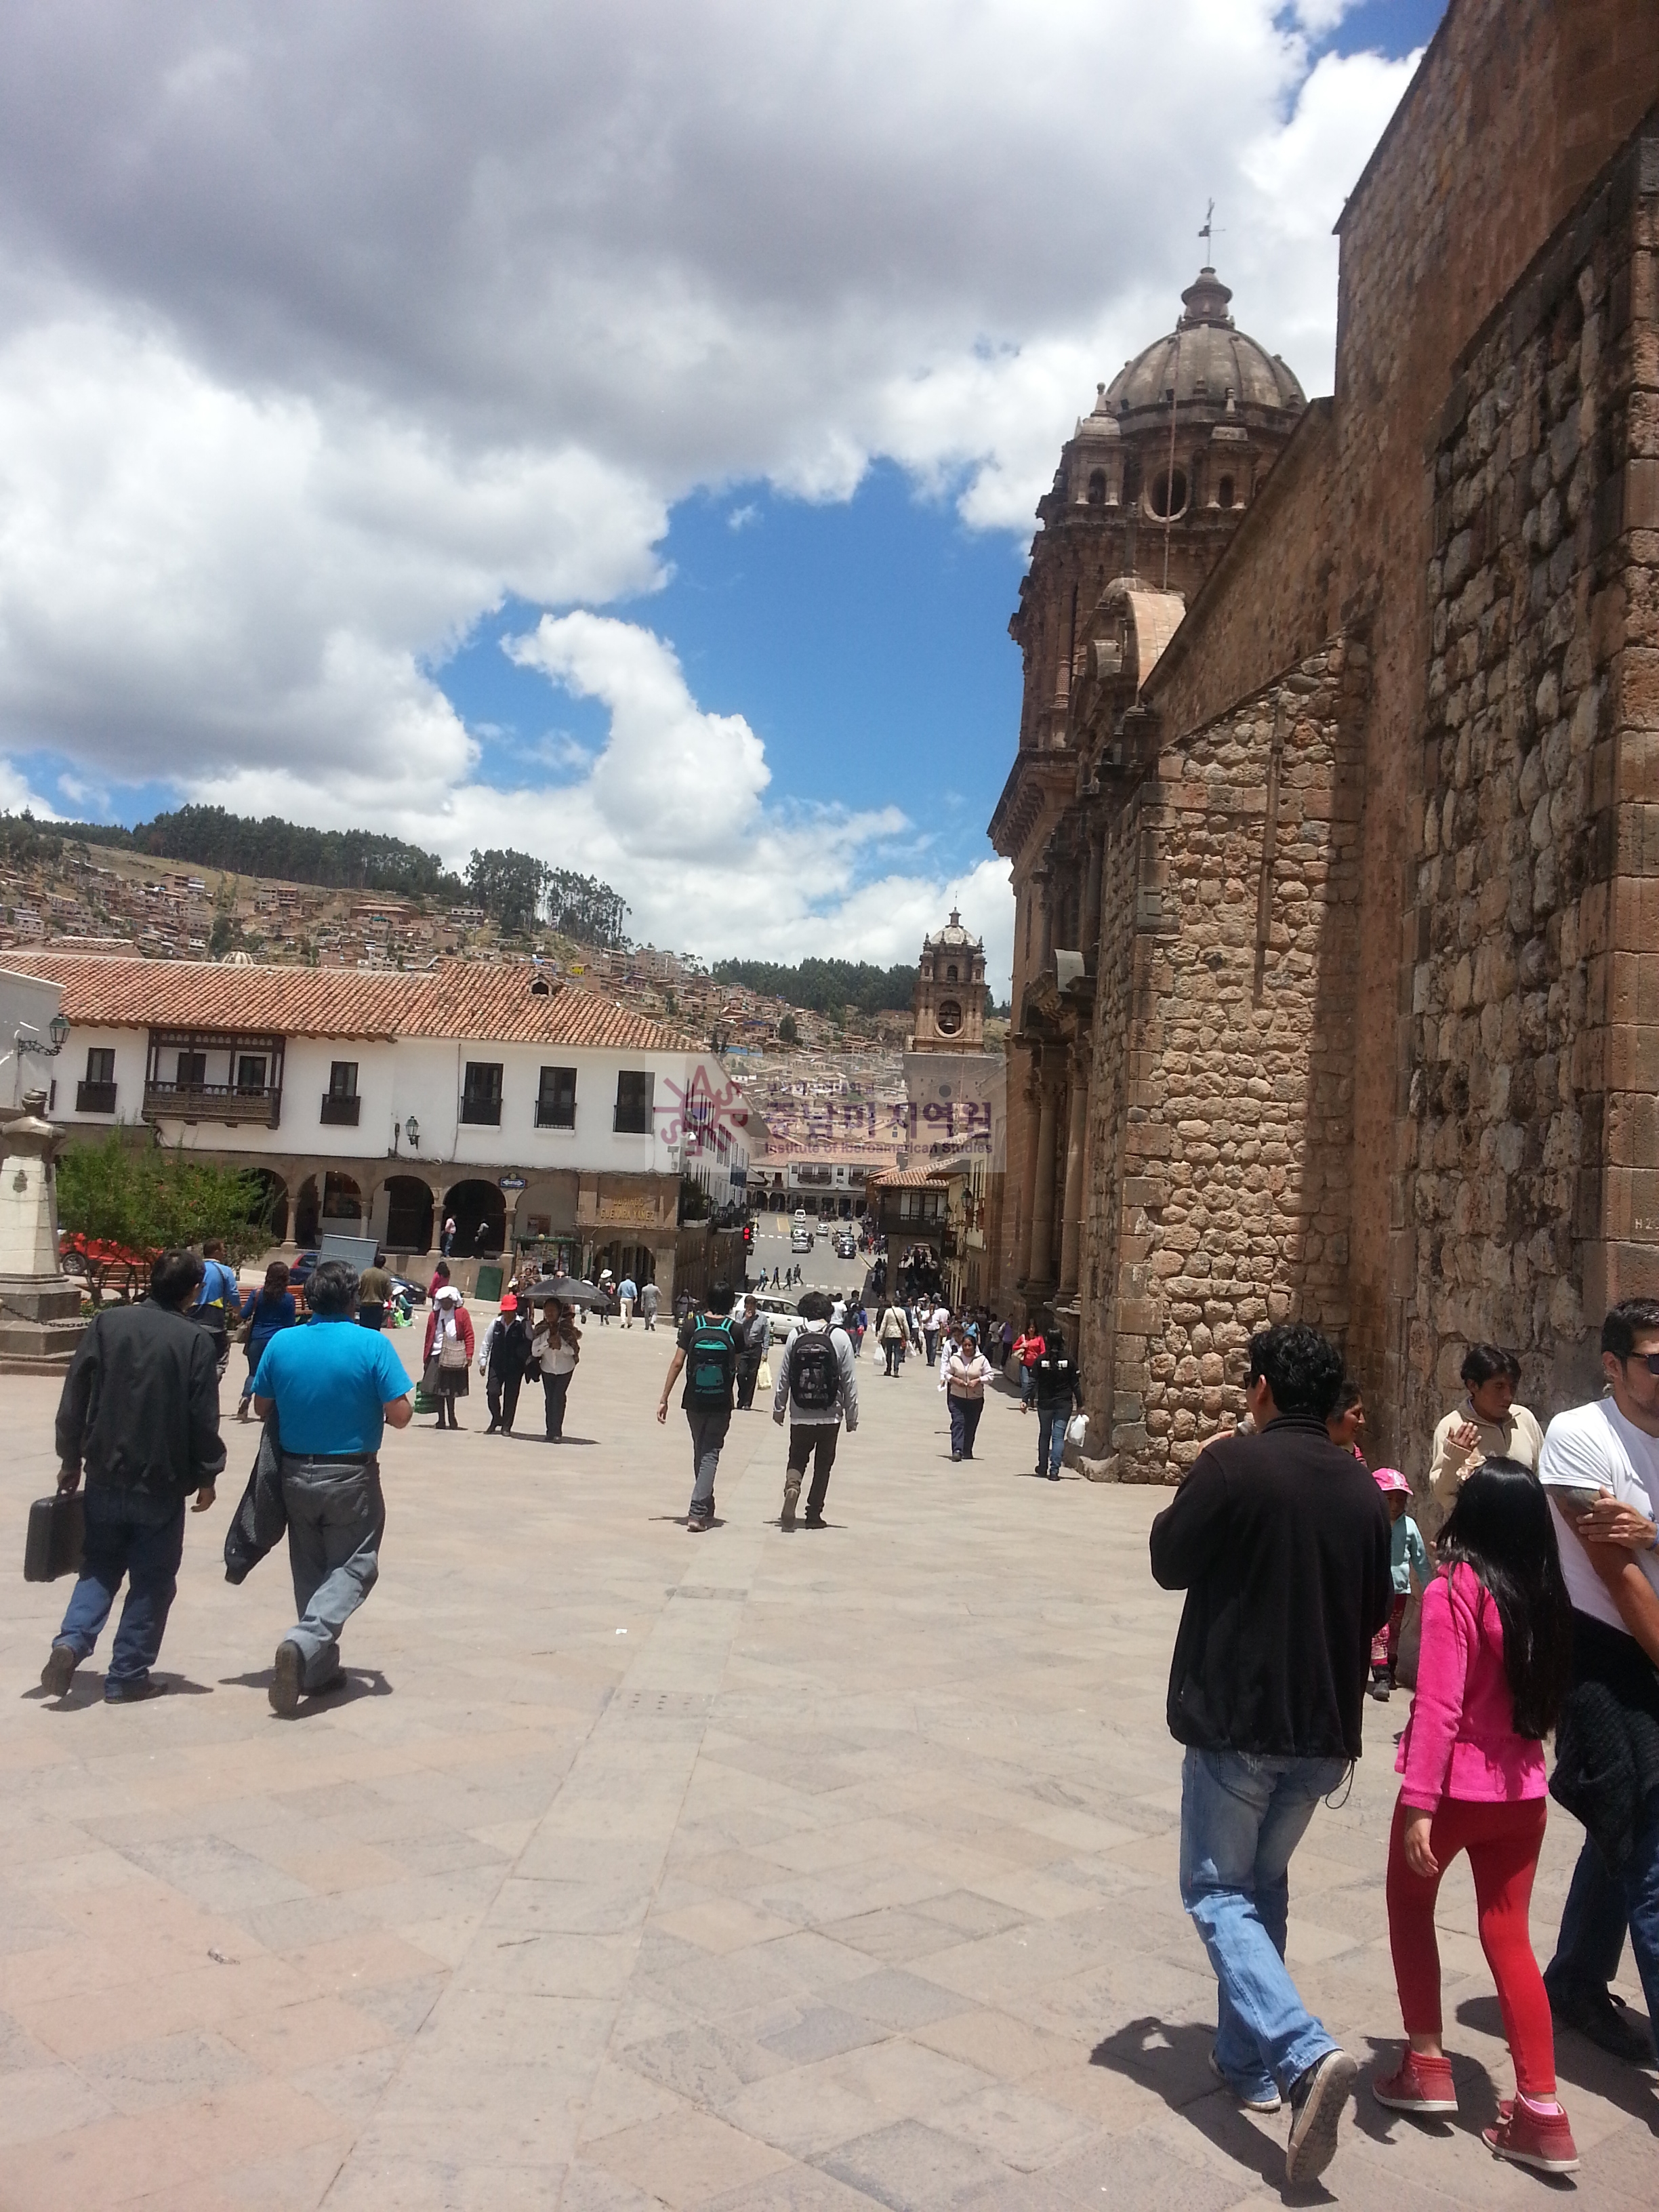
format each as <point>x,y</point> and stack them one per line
<point>1419,2084</point>
<point>1542,2141</point>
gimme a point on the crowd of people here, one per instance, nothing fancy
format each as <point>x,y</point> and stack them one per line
<point>1539,1594</point>
<point>1518,1599</point>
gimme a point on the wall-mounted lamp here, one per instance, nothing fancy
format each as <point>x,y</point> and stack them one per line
<point>58,1029</point>
<point>412,1130</point>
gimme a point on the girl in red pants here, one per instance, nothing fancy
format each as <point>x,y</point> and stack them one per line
<point>1497,1638</point>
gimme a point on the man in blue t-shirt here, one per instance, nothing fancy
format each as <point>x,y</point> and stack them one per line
<point>332,1387</point>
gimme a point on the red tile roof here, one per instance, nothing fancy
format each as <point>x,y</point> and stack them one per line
<point>912,1178</point>
<point>488,1002</point>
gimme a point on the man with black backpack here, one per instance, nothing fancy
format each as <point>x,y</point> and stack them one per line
<point>1058,1394</point>
<point>707,1351</point>
<point>817,1385</point>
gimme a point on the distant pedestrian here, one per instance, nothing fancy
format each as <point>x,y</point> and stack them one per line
<point>889,1334</point>
<point>650,1300</point>
<point>1057,1390</point>
<point>139,1413</point>
<point>754,1333</point>
<point>333,1388</point>
<point>373,1296</point>
<point>1027,1350</point>
<point>1487,1425</point>
<point>816,1390</point>
<point>967,1373</point>
<point>502,1357</point>
<point>446,1238</point>
<point>219,1298</point>
<point>556,1346</point>
<point>777,1283</point>
<point>1492,1675</point>
<point>707,1350</point>
<point>440,1278</point>
<point>628,1291</point>
<point>1280,1541</point>
<point>934,1321</point>
<point>268,1309</point>
<point>606,1287</point>
<point>1347,1422</point>
<point>857,1327</point>
<point>1408,1560</point>
<point>449,1354</point>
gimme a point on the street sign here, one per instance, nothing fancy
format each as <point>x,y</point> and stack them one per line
<point>512,1183</point>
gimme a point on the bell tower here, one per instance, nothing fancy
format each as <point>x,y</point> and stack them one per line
<point>949,1013</point>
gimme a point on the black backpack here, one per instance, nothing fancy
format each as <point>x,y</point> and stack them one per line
<point>814,1372</point>
<point>1056,1372</point>
<point>712,1362</point>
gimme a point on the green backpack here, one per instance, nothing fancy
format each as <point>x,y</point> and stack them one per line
<point>712,1365</point>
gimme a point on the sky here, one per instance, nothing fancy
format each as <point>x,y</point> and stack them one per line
<point>613,433</point>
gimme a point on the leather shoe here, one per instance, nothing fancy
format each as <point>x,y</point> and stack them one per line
<point>1606,2020</point>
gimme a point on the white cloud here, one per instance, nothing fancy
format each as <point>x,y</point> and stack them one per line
<point>16,797</point>
<point>324,329</point>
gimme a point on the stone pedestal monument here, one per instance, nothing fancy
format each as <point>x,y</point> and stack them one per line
<point>41,1320</point>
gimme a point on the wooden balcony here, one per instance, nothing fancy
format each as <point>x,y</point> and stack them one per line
<point>212,1101</point>
<point>340,1109</point>
<point>94,1097</point>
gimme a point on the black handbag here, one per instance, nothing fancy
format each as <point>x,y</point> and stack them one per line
<point>57,1535</point>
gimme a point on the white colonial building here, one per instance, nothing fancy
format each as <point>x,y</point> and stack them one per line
<point>534,1112</point>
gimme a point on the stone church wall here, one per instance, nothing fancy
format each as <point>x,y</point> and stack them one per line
<point>1225,1184</point>
<point>1530,1143</point>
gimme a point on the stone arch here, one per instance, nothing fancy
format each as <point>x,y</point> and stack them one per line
<point>408,1213</point>
<point>638,1261</point>
<point>342,1208</point>
<point>1224,491</point>
<point>480,1214</point>
<point>1096,487</point>
<point>276,1202</point>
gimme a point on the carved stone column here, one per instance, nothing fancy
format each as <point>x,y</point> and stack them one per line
<point>1071,1234</point>
<point>1027,1173</point>
<point>1042,1217</point>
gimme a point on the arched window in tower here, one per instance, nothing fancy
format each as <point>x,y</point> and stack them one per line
<point>1223,492</point>
<point>950,973</point>
<point>1098,488</point>
<point>949,1017</point>
<point>1167,496</point>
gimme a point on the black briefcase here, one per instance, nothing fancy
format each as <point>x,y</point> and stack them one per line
<point>57,1529</point>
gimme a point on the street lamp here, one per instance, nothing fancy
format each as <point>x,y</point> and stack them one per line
<point>412,1130</point>
<point>58,1029</point>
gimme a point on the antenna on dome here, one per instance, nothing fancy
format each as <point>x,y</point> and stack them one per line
<point>1209,222</point>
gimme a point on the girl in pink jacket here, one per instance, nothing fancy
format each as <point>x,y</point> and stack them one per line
<point>1491,1676</point>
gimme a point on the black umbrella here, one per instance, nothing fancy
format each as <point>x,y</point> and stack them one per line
<point>571,1290</point>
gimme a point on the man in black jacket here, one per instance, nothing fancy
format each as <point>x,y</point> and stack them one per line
<point>1281,1542</point>
<point>140,1412</point>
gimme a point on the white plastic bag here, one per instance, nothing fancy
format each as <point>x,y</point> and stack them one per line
<point>1077,1430</point>
<point>763,1375</point>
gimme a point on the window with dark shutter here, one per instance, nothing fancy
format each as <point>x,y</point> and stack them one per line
<point>481,1092</point>
<point>633,1102</point>
<point>555,1099</point>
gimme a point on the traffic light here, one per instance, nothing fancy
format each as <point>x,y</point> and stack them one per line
<point>748,1236</point>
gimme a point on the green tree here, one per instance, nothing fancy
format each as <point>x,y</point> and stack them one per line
<point>140,1198</point>
<point>788,1032</point>
<point>223,937</point>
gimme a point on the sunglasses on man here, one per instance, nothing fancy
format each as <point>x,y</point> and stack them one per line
<point>1648,1359</point>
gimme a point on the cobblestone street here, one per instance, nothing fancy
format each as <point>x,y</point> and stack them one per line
<point>787,1873</point>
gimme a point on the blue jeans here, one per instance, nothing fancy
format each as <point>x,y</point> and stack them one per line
<point>143,1538</point>
<point>1051,1438</point>
<point>1600,1906</point>
<point>1242,1816</point>
<point>1027,1383</point>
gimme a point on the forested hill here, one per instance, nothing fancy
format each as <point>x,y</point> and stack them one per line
<point>825,987</point>
<point>516,889</point>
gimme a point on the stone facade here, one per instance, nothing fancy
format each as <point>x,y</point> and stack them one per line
<point>1530,1141</point>
<point>1223,1071</point>
<point>1449,1130</point>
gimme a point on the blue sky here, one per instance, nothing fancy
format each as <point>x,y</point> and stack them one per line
<point>711,358</point>
<point>865,641</point>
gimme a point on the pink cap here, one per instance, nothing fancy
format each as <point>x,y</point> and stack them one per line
<point>1390,1478</point>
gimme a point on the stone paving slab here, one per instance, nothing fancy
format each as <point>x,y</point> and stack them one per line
<point>753,1872</point>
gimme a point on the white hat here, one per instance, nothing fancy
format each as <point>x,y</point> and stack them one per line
<point>447,1291</point>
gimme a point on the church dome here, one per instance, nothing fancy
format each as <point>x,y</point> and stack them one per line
<point>1206,358</point>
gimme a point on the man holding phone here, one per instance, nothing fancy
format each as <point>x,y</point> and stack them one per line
<point>1600,1465</point>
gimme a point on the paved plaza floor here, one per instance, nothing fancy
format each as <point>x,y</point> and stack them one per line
<point>750,1871</point>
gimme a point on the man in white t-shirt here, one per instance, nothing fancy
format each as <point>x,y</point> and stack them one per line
<point>1601,1465</point>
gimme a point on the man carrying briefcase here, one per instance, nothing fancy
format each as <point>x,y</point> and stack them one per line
<point>140,1412</point>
